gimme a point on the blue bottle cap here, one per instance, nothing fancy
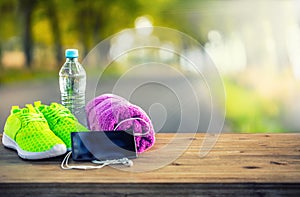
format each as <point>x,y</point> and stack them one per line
<point>71,53</point>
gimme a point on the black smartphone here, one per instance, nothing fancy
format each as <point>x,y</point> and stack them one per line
<point>103,145</point>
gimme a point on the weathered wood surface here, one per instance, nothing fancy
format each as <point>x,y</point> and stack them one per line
<point>246,162</point>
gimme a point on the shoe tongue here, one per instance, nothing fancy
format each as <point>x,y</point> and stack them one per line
<point>25,110</point>
<point>54,105</point>
<point>29,108</point>
<point>15,109</point>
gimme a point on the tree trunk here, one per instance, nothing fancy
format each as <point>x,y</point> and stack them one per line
<point>52,13</point>
<point>83,32</point>
<point>26,7</point>
<point>27,39</point>
<point>1,66</point>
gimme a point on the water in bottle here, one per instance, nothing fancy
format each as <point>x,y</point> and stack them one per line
<point>72,83</point>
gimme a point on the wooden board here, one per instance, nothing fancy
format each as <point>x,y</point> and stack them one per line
<point>235,159</point>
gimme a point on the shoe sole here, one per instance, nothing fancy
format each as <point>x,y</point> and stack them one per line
<point>57,150</point>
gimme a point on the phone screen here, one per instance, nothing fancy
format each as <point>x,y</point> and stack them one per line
<point>103,145</point>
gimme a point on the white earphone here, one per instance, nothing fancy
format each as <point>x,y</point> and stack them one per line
<point>135,134</point>
<point>65,164</point>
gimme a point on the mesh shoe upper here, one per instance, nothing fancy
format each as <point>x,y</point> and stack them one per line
<point>61,121</point>
<point>30,131</point>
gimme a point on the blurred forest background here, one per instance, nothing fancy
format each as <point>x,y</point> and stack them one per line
<point>254,44</point>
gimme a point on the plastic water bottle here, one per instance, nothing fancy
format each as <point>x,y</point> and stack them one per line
<point>72,84</point>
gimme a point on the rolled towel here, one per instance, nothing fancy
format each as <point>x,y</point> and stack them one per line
<point>110,112</point>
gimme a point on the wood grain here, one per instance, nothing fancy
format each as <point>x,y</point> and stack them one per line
<point>235,158</point>
<point>269,161</point>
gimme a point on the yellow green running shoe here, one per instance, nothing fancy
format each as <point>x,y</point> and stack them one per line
<point>61,121</point>
<point>27,131</point>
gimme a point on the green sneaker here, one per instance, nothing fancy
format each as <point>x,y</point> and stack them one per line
<point>61,121</point>
<point>27,131</point>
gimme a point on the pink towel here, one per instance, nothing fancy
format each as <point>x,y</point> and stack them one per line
<point>106,111</point>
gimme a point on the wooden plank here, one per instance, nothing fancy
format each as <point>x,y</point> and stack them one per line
<point>170,189</point>
<point>236,158</point>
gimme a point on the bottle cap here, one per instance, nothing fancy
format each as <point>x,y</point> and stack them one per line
<point>71,53</point>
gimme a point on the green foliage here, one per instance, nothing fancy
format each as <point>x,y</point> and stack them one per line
<point>59,24</point>
<point>15,75</point>
<point>7,19</point>
<point>247,111</point>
